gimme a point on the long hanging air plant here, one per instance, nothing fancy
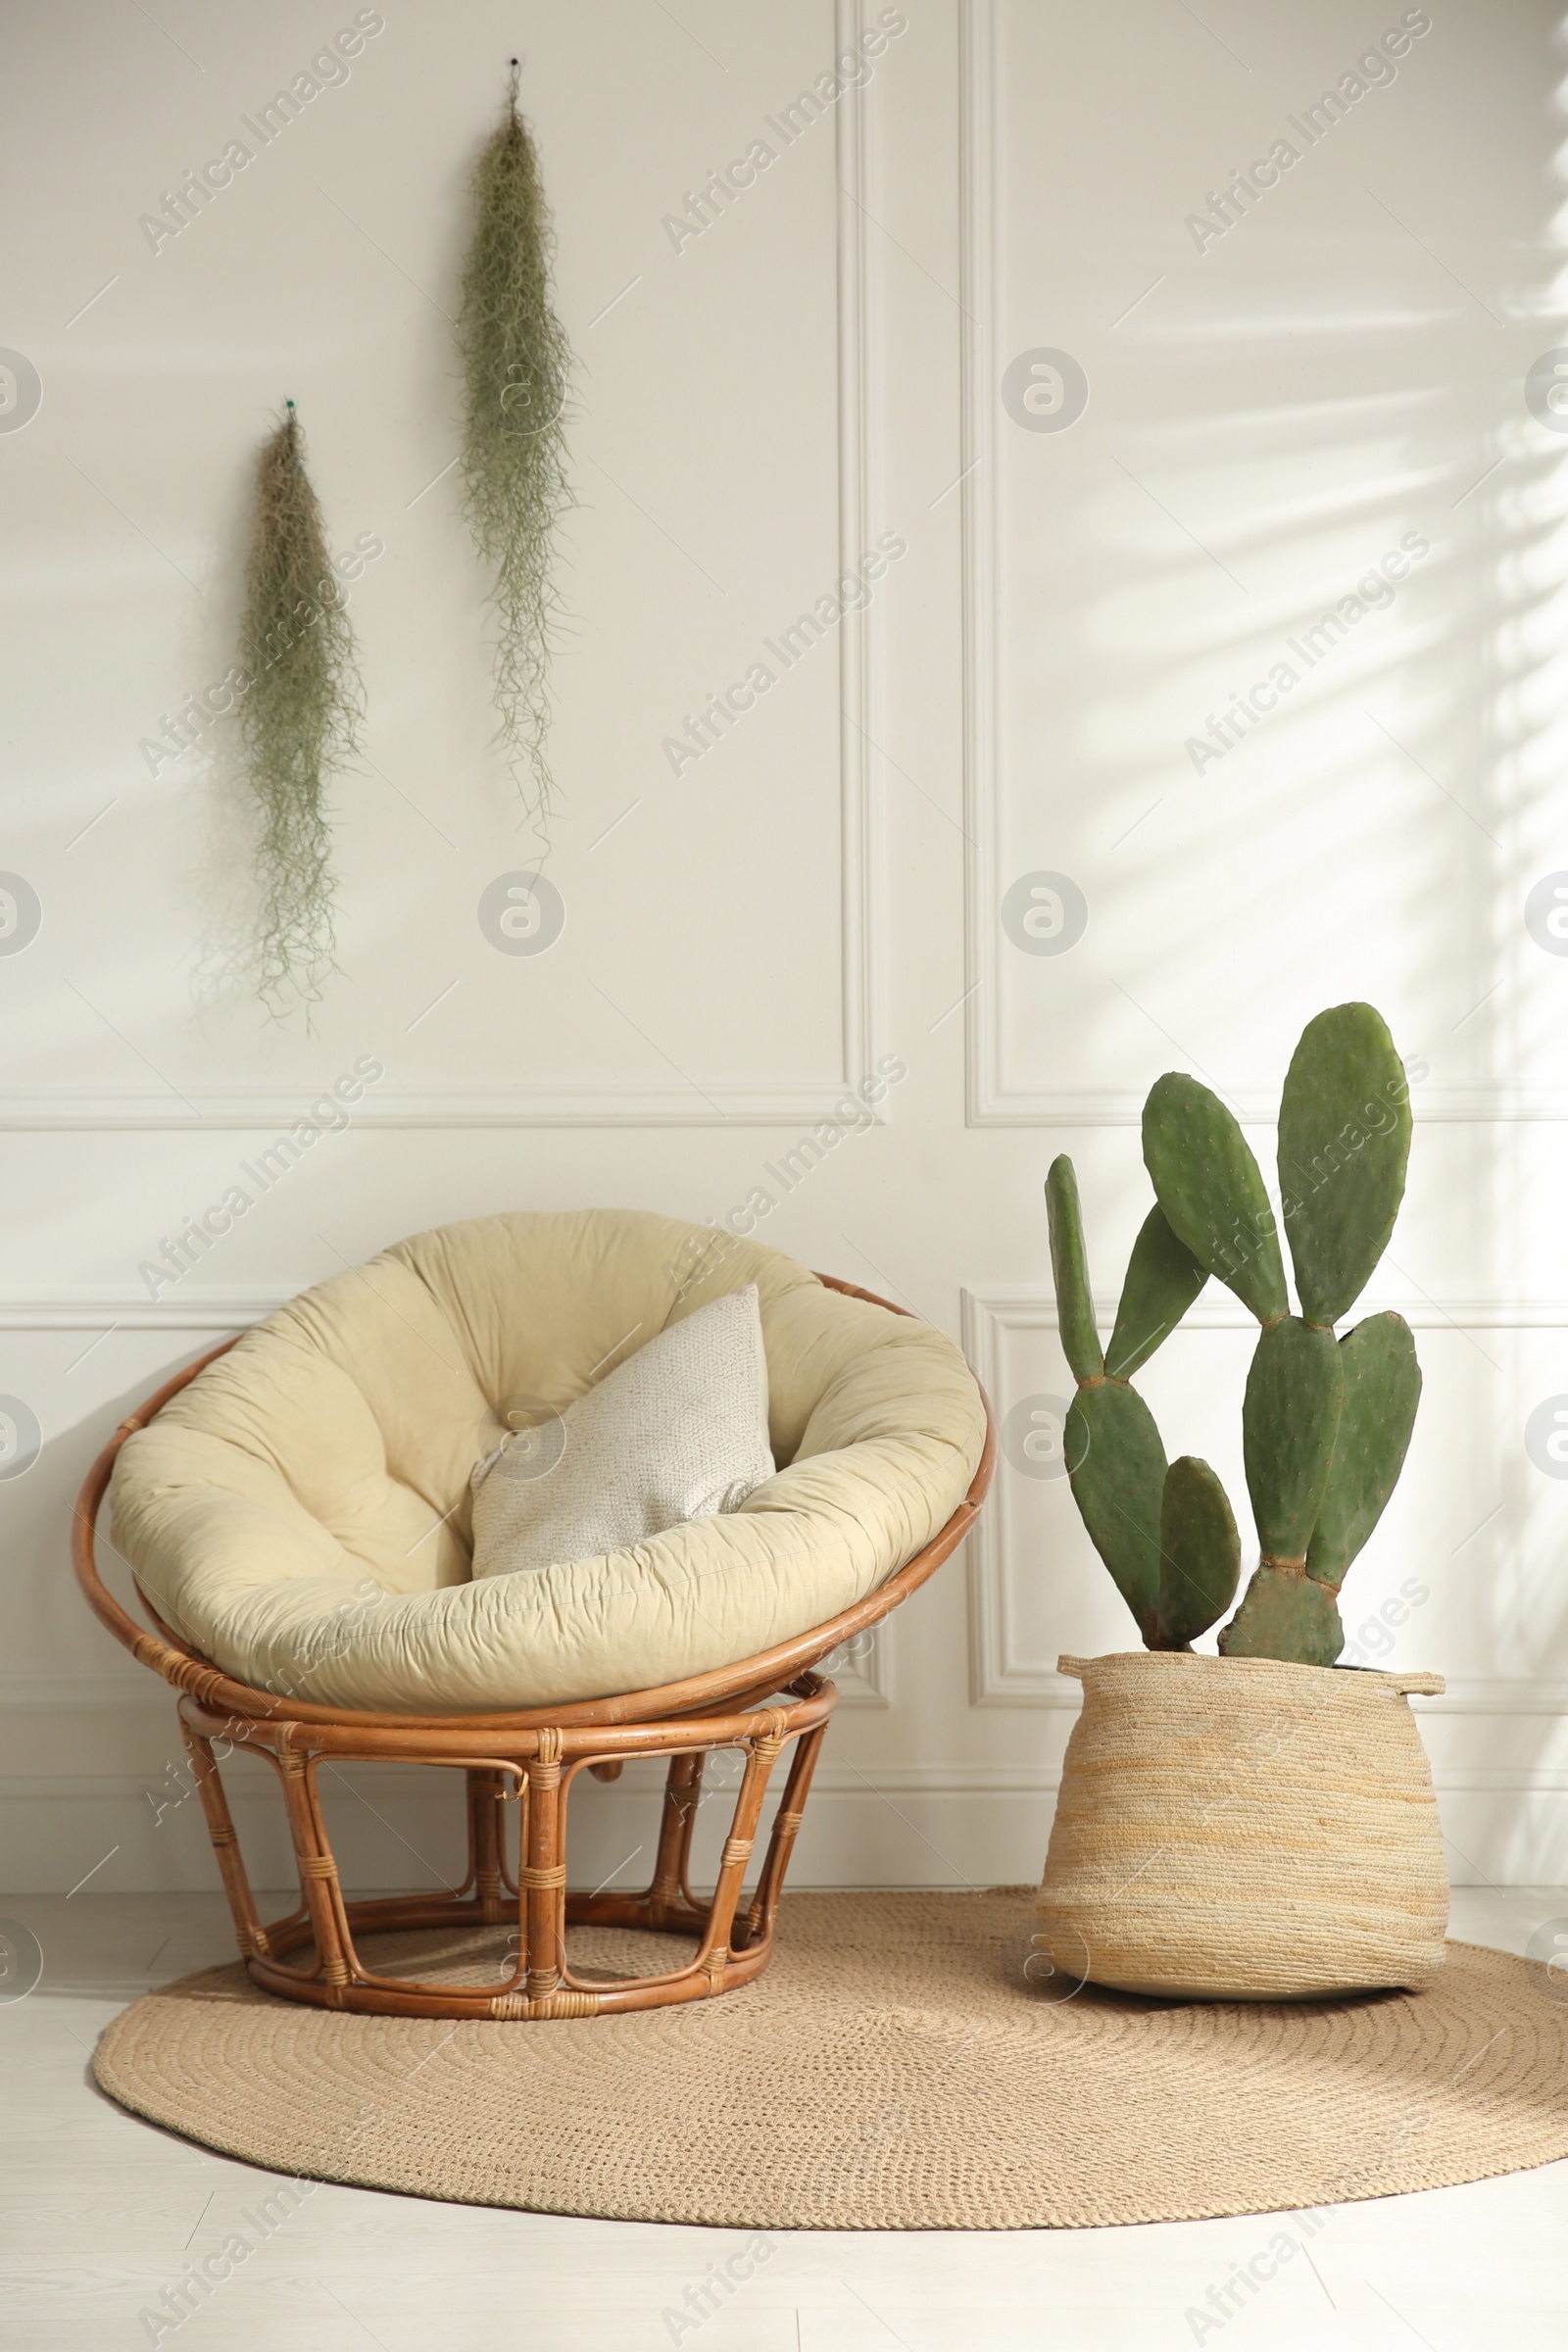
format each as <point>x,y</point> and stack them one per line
<point>517,369</point>
<point>299,719</point>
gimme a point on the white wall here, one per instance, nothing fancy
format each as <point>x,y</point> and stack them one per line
<point>1343,370</point>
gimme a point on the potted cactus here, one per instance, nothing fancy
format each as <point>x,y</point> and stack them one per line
<point>1262,1823</point>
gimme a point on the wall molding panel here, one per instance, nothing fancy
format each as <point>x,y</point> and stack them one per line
<point>991,1102</point>
<point>753,1102</point>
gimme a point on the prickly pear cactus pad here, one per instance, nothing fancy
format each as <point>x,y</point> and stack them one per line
<point>1344,1143</point>
<point>1325,1422</point>
<point>1069,1265</point>
<point>1163,1278</point>
<point>1285,1614</point>
<point>1289,1419</point>
<point>1200,1554</point>
<point>1212,1192</point>
<point>1117,1467</point>
<point>1382,1390</point>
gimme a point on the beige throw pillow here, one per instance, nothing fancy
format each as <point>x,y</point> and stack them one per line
<point>677,1432</point>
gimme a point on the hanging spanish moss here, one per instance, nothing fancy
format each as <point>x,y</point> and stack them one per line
<point>299,719</point>
<point>518,367</point>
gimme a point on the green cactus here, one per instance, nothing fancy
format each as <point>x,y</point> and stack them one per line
<point>1117,1467</point>
<point>1344,1138</point>
<point>1075,1312</point>
<point>1284,1614</point>
<point>1289,1419</point>
<point>1163,1278</point>
<point>1325,1422</point>
<point>1200,1554</point>
<point>1382,1390</point>
<point>1212,1191</point>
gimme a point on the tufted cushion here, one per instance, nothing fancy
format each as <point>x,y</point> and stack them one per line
<point>301,1511</point>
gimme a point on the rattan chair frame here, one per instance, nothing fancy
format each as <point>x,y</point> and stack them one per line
<point>529,1757</point>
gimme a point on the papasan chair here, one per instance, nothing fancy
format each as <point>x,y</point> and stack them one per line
<point>296,1510</point>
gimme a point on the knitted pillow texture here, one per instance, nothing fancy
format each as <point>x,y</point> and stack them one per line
<point>678,1432</point>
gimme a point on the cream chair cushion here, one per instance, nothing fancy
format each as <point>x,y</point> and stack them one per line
<point>299,1514</point>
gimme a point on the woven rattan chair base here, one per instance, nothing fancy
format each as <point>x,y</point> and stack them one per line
<point>535,1770</point>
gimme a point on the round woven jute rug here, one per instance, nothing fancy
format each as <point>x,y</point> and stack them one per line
<point>900,2065</point>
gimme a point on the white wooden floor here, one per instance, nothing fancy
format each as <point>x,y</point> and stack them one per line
<point>100,2212</point>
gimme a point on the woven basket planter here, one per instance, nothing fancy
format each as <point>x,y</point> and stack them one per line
<point>1241,1829</point>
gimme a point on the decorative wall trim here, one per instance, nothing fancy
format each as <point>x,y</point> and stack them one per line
<point>866,1684</point>
<point>1496,1695</point>
<point>1032,1306</point>
<point>862,842</point>
<point>989,1101</point>
<point>864,1681</point>
<point>130,1310</point>
<point>1023,1306</point>
<point>86,1695</point>
<point>661,1105</point>
<point>978,454</point>
<point>401,1781</point>
<point>997,1677</point>
<point>993,1105</point>
<point>269,1108</point>
<point>934,1825</point>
